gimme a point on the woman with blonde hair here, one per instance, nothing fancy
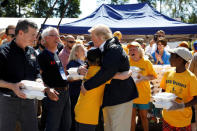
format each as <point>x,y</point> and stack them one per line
<point>76,59</point>
<point>147,73</point>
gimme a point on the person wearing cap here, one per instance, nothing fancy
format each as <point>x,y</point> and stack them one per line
<point>118,34</point>
<point>195,47</point>
<point>147,73</point>
<point>161,56</point>
<point>181,82</point>
<point>89,45</point>
<point>184,44</point>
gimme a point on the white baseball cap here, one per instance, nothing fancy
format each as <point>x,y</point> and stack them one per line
<point>182,52</point>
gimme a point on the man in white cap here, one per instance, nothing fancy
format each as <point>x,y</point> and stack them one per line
<point>182,83</point>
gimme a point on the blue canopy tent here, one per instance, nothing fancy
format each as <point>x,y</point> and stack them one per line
<point>130,19</point>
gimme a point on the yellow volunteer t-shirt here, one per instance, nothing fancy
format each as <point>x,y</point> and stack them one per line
<point>125,48</point>
<point>143,87</point>
<point>88,105</point>
<point>183,85</point>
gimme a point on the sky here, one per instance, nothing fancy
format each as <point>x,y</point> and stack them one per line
<point>89,6</point>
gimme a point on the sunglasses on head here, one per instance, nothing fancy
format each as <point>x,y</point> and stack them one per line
<point>11,35</point>
<point>72,42</point>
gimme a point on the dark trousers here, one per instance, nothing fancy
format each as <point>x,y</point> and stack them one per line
<point>16,109</point>
<point>44,114</point>
<point>73,103</point>
<point>84,127</point>
<point>59,113</point>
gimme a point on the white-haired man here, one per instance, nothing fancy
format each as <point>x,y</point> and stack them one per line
<point>58,113</point>
<point>118,95</point>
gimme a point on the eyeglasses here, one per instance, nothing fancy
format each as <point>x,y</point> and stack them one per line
<point>11,35</point>
<point>54,35</point>
<point>72,42</point>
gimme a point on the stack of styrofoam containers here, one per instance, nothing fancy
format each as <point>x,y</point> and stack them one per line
<point>135,72</point>
<point>73,74</point>
<point>33,90</point>
<point>163,100</point>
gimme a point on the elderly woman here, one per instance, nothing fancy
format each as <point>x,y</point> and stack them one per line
<point>147,73</point>
<point>161,56</point>
<point>76,59</point>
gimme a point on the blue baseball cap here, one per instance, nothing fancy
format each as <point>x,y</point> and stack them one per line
<point>195,45</point>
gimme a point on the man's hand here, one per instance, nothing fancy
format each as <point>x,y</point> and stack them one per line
<point>16,88</point>
<point>140,78</point>
<point>83,89</point>
<point>52,94</point>
<point>82,70</point>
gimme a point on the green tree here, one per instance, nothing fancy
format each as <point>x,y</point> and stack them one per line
<point>119,1</point>
<point>72,11</point>
<point>192,18</point>
<point>15,8</point>
<point>115,2</point>
<point>41,9</point>
<point>38,8</point>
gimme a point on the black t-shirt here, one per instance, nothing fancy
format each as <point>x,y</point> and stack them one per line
<point>50,68</point>
<point>17,64</point>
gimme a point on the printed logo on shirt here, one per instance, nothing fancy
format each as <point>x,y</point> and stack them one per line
<point>176,83</point>
<point>52,62</point>
<point>32,57</point>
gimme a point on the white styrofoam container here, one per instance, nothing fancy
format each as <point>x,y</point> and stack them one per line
<point>32,85</point>
<point>30,94</point>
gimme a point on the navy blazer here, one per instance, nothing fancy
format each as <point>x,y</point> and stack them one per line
<point>74,87</point>
<point>114,60</point>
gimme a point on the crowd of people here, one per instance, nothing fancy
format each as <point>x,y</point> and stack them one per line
<point>107,98</point>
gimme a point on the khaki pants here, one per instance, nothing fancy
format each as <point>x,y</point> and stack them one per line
<point>118,117</point>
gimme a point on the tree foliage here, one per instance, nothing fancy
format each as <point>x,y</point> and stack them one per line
<point>184,9</point>
<point>115,2</point>
<point>72,10</point>
<point>38,8</point>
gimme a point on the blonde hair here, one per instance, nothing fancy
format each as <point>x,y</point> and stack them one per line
<point>102,31</point>
<point>73,51</point>
<point>141,52</point>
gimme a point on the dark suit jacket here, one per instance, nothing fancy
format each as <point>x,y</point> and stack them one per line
<point>114,60</point>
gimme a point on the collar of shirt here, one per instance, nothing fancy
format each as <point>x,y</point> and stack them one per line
<point>49,52</point>
<point>66,50</point>
<point>17,48</point>
<point>101,47</point>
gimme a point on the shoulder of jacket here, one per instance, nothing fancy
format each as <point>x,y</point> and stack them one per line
<point>5,47</point>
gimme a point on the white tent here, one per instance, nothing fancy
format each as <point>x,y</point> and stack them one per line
<point>4,21</point>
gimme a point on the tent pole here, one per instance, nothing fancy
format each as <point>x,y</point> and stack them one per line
<point>50,10</point>
<point>68,2</point>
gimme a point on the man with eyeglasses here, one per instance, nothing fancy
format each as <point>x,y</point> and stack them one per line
<point>58,114</point>
<point>68,41</point>
<point>10,33</point>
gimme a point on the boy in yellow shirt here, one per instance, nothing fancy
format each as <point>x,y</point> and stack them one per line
<point>182,83</point>
<point>88,104</point>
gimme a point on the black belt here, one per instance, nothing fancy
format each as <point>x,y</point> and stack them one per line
<point>61,88</point>
<point>9,94</point>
